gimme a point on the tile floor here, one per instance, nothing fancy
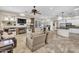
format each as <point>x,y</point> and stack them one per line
<point>57,45</point>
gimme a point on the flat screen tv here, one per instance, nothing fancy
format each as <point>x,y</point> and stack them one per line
<point>21,21</point>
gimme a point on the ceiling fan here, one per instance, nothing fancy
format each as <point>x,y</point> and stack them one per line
<point>35,11</point>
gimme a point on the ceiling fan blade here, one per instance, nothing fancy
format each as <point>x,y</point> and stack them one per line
<point>38,13</point>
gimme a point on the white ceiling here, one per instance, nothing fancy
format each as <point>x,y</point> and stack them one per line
<point>44,10</point>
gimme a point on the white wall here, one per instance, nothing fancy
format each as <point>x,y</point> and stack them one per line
<point>74,22</point>
<point>51,26</point>
<point>9,14</point>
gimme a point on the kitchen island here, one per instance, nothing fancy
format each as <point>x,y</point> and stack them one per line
<point>68,32</point>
